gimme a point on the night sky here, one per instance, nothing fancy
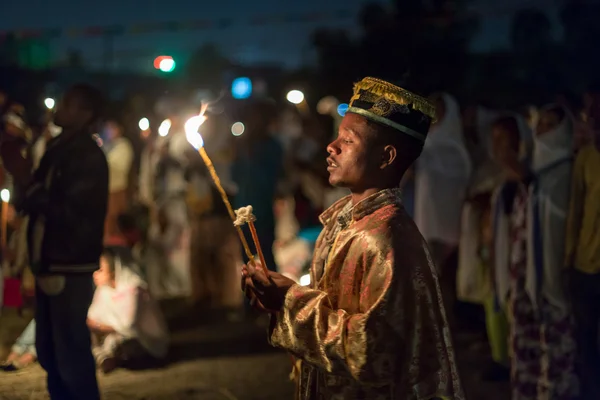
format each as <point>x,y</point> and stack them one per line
<point>274,43</point>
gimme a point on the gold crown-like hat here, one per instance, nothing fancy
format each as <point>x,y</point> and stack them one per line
<point>390,105</point>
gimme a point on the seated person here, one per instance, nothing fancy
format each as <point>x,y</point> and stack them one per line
<point>126,323</point>
<point>23,352</point>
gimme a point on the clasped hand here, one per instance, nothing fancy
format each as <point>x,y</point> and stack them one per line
<point>266,293</point>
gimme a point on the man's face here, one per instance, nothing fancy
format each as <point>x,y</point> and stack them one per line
<point>352,155</point>
<point>503,144</point>
<point>112,130</point>
<point>70,114</point>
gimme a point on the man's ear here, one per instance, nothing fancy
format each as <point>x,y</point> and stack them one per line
<point>388,156</point>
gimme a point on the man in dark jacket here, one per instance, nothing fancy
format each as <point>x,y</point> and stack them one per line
<point>65,199</point>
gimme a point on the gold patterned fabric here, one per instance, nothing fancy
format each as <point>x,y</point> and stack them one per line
<point>392,106</point>
<point>372,324</point>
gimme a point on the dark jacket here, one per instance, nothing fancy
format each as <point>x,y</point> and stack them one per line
<point>66,203</point>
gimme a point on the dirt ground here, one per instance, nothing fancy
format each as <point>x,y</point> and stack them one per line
<point>212,358</point>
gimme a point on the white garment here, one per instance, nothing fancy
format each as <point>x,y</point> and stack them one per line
<point>130,310</point>
<point>552,199</point>
<point>148,163</point>
<point>168,256</point>
<point>441,178</point>
<point>119,158</point>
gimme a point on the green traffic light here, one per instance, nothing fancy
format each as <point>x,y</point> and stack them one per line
<point>167,65</point>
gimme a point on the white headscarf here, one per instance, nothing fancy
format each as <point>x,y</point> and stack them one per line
<point>442,176</point>
<point>554,145</point>
<point>129,309</point>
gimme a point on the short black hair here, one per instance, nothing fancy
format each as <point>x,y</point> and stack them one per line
<point>407,147</point>
<point>90,98</point>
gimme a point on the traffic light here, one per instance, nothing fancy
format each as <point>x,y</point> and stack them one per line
<point>164,63</point>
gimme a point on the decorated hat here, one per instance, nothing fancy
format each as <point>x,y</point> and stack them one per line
<point>392,106</point>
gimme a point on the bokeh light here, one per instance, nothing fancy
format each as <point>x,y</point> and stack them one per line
<point>342,109</point>
<point>241,88</point>
<point>49,103</point>
<point>237,129</point>
<point>164,128</point>
<point>295,97</point>
<point>144,124</point>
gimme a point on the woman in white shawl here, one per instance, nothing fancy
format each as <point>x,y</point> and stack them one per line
<point>442,175</point>
<point>529,250</point>
<point>441,178</point>
<point>124,319</point>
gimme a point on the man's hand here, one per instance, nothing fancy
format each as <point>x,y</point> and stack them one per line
<point>266,293</point>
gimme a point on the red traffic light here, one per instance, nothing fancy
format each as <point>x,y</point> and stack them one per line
<point>159,59</point>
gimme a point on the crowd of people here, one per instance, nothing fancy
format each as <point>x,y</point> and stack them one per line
<point>502,198</point>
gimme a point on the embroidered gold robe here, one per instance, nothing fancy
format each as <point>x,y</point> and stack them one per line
<point>372,325</point>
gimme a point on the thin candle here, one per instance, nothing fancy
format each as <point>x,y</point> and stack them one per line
<point>5,197</point>
<point>245,215</point>
<point>195,139</point>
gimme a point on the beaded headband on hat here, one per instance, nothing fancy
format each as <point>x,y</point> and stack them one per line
<point>390,105</point>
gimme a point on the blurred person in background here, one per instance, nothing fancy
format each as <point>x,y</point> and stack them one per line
<point>23,353</point>
<point>372,322</point>
<point>443,173</point>
<point>119,154</point>
<point>508,132</point>
<point>125,321</point>
<point>582,256</point>
<point>215,254</point>
<point>541,336</point>
<point>167,258</point>
<point>257,171</point>
<point>66,199</point>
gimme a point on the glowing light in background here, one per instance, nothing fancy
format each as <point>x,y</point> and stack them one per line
<point>165,126</point>
<point>342,109</point>
<point>327,105</point>
<point>241,88</point>
<point>305,280</point>
<point>5,195</point>
<point>144,124</point>
<point>237,129</point>
<point>49,103</point>
<point>192,135</point>
<point>295,97</point>
<point>167,65</point>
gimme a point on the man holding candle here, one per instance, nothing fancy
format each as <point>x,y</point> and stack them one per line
<point>65,199</point>
<point>372,324</point>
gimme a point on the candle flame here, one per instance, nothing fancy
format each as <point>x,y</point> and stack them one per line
<point>5,195</point>
<point>193,125</point>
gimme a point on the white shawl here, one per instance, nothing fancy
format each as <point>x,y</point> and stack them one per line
<point>130,311</point>
<point>441,178</point>
<point>547,212</point>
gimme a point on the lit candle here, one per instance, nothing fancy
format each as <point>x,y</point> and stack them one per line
<point>5,196</point>
<point>195,139</point>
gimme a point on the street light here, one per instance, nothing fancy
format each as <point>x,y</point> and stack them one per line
<point>144,124</point>
<point>295,97</point>
<point>49,103</point>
